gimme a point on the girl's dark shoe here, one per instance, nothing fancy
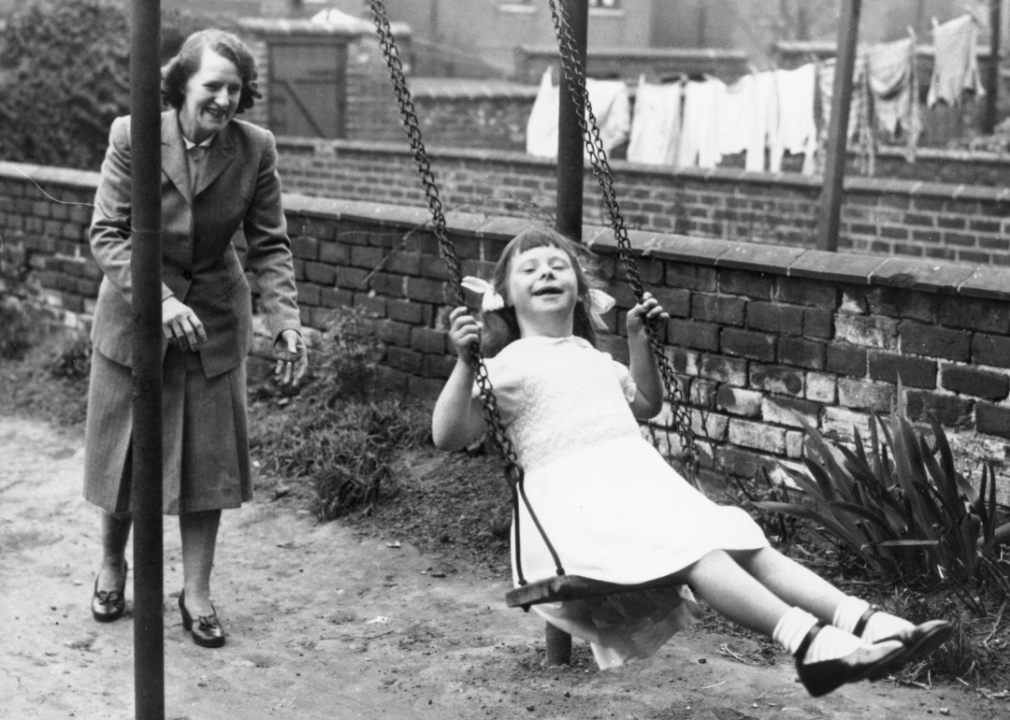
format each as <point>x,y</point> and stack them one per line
<point>109,605</point>
<point>918,641</point>
<point>869,662</point>
<point>206,631</point>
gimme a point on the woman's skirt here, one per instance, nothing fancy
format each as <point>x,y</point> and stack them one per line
<point>205,439</point>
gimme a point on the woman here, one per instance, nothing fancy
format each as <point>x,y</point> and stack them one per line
<point>218,176</point>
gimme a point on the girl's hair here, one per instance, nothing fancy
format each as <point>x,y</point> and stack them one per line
<point>501,326</point>
<point>177,72</point>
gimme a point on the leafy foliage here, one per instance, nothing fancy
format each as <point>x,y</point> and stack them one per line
<point>902,506</point>
<point>334,433</point>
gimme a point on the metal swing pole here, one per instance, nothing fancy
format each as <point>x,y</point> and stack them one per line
<point>145,271</point>
<point>568,219</point>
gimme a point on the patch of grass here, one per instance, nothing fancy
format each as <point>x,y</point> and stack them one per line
<point>49,381</point>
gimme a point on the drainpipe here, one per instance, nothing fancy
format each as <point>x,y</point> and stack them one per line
<point>841,99</point>
<point>145,269</point>
<point>568,221</point>
<point>993,80</point>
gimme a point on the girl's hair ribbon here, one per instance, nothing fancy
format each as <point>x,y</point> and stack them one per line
<point>490,300</point>
<point>600,303</point>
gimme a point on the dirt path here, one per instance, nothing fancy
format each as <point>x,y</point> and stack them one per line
<point>323,625</point>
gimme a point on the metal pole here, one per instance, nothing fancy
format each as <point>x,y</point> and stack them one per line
<point>570,176</point>
<point>834,170</point>
<point>145,268</point>
<point>992,71</point>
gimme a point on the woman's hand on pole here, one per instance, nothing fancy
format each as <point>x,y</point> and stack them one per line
<point>292,358</point>
<point>180,324</point>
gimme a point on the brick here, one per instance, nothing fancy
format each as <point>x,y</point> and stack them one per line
<point>404,263</point>
<point>865,395</point>
<point>718,309</point>
<point>332,298</point>
<point>801,291</point>
<point>867,331</point>
<point>431,291</point>
<point>674,301</point>
<point>403,311</point>
<point>838,423</point>
<point>743,463</point>
<point>373,305</point>
<point>753,345</point>
<point>320,273</point>
<point>351,278</point>
<point>779,319</point>
<point>367,257</point>
<point>914,372</point>
<point>784,410</point>
<point>991,350</point>
<point>306,248</point>
<point>846,360</point>
<point>683,361</point>
<point>427,340</point>
<point>818,323</point>
<point>720,368</point>
<point>702,392</point>
<point>403,359</point>
<point>950,411</point>
<point>992,419</point>
<point>711,426</point>
<point>746,403</point>
<point>394,333</point>
<point>387,284</point>
<point>802,353</point>
<point>308,294</point>
<point>752,285</point>
<point>932,341</point>
<point>685,333</point>
<point>757,436</point>
<point>973,381</point>
<point>438,366</point>
<point>986,315</point>
<point>821,388</point>
<point>334,253</point>
<point>777,379</point>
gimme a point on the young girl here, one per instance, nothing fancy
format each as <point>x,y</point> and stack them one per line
<point>613,508</point>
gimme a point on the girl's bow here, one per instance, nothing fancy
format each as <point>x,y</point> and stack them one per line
<point>491,300</point>
<point>600,303</point>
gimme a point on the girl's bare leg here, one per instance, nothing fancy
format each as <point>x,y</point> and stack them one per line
<point>790,581</point>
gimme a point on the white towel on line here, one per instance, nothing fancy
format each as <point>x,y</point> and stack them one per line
<point>655,124</point>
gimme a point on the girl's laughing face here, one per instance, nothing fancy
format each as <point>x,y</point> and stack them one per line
<point>542,280</point>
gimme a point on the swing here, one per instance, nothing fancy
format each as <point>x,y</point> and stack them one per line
<point>562,587</point>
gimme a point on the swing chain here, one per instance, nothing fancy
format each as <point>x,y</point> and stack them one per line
<point>574,75</point>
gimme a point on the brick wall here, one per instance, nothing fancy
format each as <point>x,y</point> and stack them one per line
<point>760,335</point>
<point>879,216</point>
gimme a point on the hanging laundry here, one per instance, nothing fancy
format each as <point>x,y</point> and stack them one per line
<point>797,128</point>
<point>826,88</point>
<point>764,133</point>
<point>699,137</point>
<point>892,81</point>
<point>955,66</point>
<point>610,103</point>
<point>655,124</point>
<point>736,116</point>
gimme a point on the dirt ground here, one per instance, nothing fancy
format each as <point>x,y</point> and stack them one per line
<point>329,621</point>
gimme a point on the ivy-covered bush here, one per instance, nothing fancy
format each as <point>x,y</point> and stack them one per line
<point>64,77</point>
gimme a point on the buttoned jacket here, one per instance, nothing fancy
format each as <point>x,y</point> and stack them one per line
<point>238,189</point>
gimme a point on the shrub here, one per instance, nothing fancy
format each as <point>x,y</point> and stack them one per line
<point>902,506</point>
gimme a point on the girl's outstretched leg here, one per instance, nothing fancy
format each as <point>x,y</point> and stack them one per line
<point>798,586</point>
<point>826,657</point>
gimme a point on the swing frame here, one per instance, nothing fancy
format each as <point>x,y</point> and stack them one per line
<point>562,587</point>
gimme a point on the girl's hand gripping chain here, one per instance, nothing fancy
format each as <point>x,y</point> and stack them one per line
<point>457,419</point>
<point>644,369</point>
<point>464,331</point>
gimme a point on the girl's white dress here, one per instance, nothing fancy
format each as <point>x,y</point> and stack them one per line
<point>610,504</point>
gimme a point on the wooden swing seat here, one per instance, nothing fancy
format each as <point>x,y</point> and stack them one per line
<point>574,587</point>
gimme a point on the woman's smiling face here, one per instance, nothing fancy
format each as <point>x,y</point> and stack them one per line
<point>542,281</point>
<point>212,95</point>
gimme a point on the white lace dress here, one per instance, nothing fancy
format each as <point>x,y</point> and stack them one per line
<point>610,504</point>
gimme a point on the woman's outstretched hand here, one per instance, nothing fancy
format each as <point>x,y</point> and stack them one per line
<point>180,324</point>
<point>646,311</point>
<point>292,358</point>
<point>464,331</point>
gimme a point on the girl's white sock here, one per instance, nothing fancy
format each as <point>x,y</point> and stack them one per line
<point>880,625</point>
<point>829,644</point>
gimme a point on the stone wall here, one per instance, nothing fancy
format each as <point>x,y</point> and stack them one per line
<point>760,336</point>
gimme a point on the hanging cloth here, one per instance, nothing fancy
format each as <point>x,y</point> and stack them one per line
<point>891,74</point>
<point>797,129</point>
<point>611,106</point>
<point>858,110</point>
<point>736,118</point>
<point>655,124</point>
<point>699,138</point>
<point>955,66</point>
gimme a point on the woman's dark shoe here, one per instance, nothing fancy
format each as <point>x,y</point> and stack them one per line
<point>869,662</point>
<point>918,641</point>
<point>206,631</point>
<point>109,605</point>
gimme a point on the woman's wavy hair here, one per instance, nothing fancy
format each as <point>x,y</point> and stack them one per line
<point>501,326</point>
<point>177,71</point>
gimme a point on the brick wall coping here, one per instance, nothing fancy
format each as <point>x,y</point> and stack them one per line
<point>826,49</point>
<point>642,53</point>
<point>988,282</point>
<point>83,179</point>
<point>974,157</point>
<point>284,27</point>
<point>855,184</point>
<point>469,89</point>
